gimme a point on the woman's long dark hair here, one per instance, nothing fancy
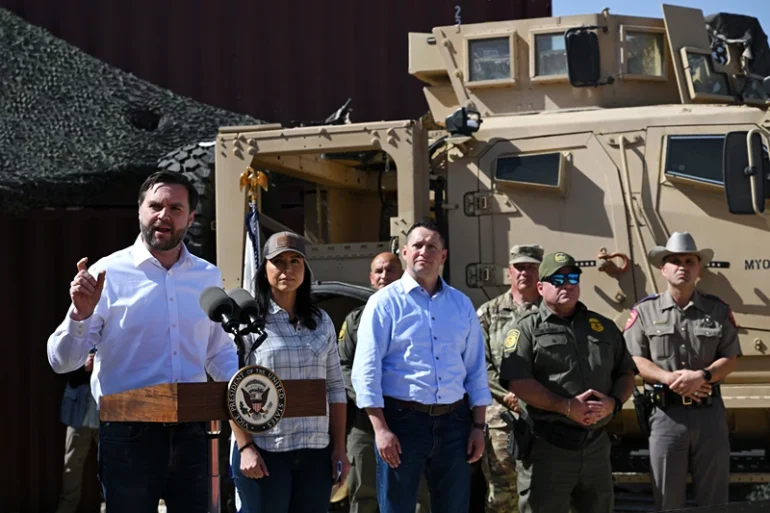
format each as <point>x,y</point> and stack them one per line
<point>304,309</point>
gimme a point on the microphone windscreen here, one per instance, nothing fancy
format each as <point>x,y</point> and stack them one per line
<point>245,301</point>
<point>215,301</point>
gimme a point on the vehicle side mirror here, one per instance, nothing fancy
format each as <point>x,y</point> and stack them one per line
<point>583,57</point>
<point>744,173</point>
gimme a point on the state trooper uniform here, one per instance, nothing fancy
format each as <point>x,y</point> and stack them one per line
<point>568,465</point>
<point>684,433</point>
<point>498,467</point>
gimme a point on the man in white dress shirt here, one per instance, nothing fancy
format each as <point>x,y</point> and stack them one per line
<point>139,307</point>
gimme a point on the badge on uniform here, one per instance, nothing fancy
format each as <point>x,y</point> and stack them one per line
<point>596,324</point>
<point>342,331</point>
<point>511,341</point>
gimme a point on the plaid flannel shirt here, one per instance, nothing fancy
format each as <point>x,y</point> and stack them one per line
<point>299,353</point>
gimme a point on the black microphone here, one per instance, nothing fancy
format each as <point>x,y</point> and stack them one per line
<point>250,316</point>
<point>249,307</point>
<point>220,308</point>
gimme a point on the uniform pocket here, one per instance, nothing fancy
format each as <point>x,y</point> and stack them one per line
<point>660,340</point>
<point>553,351</point>
<point>708,340</point>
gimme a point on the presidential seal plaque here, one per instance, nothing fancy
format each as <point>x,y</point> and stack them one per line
<point>256,399</point>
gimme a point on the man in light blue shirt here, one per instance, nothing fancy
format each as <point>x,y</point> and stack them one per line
<point>420,373</point>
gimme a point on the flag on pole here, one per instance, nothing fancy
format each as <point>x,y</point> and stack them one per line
<point>253,248</point>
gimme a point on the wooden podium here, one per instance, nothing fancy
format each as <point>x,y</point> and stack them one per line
<point>200,402</point>
<point>204,402</point>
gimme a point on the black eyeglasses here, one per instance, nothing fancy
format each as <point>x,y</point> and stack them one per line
<point>560,279</point>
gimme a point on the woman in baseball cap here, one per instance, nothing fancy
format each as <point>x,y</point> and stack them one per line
<point>297,461</point>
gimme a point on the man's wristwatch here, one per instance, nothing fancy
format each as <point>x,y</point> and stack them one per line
<point>706,375</point>
<point>482,426</point>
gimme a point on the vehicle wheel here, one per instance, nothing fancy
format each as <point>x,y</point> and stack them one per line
<point>197,164</point>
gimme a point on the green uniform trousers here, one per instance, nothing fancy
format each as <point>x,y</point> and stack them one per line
<point>556,480</point>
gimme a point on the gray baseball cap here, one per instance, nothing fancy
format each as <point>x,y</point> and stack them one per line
<point>526,253</point>
<point>284,241</point>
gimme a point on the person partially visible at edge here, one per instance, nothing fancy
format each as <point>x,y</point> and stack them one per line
<point>686,341</point>
<point>498,467</point>
<point>571,370</point>
<point>292,466</point>
<point>419,372</point>
<point>384,269</point>
<point>79,414</point>
<point>139,308</point>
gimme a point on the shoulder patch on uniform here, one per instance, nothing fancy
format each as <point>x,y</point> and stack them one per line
<point>511,341</point>
<point>342,331</point>
<point>631,319</point>
<point>648,298</point>
<point>596,324</point>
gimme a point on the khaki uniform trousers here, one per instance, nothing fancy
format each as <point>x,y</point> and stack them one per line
<point>76,449</point>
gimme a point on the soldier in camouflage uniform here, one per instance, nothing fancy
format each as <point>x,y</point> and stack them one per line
<point>498,467</point>
<point>362,492</point>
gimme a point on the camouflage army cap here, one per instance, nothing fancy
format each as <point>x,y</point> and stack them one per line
<point>555,261</point>
<point>281,242</point>
<point>526,253</point>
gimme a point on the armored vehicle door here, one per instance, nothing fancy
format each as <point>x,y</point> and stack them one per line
<point>562,192</point>
<point>686,185</point>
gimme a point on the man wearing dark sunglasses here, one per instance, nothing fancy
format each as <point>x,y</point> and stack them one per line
<point>571,370</point>
<point>687,342</point>
<point>522,298</point>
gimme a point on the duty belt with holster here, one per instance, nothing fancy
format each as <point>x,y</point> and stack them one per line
<point>663,397</point>
<point>660,396</point>
<point>525,430</point>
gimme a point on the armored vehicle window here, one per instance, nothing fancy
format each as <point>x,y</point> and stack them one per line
<point>702,79</point>
<point>644,53</point>
<point>750,88</point>
<point>696,157</point>
<point>550,54</point>
<point>489,59</point>
<point>533,169</point>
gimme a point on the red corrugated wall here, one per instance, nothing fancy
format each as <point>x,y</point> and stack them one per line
<point>37,263</point>
<point>277,61</point>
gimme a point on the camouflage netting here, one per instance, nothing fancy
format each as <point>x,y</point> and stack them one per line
<point>77,132</point>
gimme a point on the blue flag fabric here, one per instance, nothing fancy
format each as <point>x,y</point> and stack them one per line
<point>252,227</point>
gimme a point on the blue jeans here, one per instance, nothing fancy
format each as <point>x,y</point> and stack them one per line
<point>141,462</point>
<point>435,446</point>
<point>300,481</point>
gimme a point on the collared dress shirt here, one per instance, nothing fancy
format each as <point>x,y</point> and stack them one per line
<point>295,352</point>
<point>148,326</point>
<point>417,347</point>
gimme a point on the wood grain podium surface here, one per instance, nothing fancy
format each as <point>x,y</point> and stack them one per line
<point>198,402</point>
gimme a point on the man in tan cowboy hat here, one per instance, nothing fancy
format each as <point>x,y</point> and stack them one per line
<point>498,467</point>
<point>686,342</point>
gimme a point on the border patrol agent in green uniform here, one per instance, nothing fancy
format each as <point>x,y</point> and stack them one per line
<point>684,343</point>
<point>362,490</point>
<point>498,467</point>
<point>571,370</point>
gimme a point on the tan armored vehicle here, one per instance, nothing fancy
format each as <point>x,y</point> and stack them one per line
<point>599,135</point>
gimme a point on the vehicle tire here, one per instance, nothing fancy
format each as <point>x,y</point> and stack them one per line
<point>197,164</point>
